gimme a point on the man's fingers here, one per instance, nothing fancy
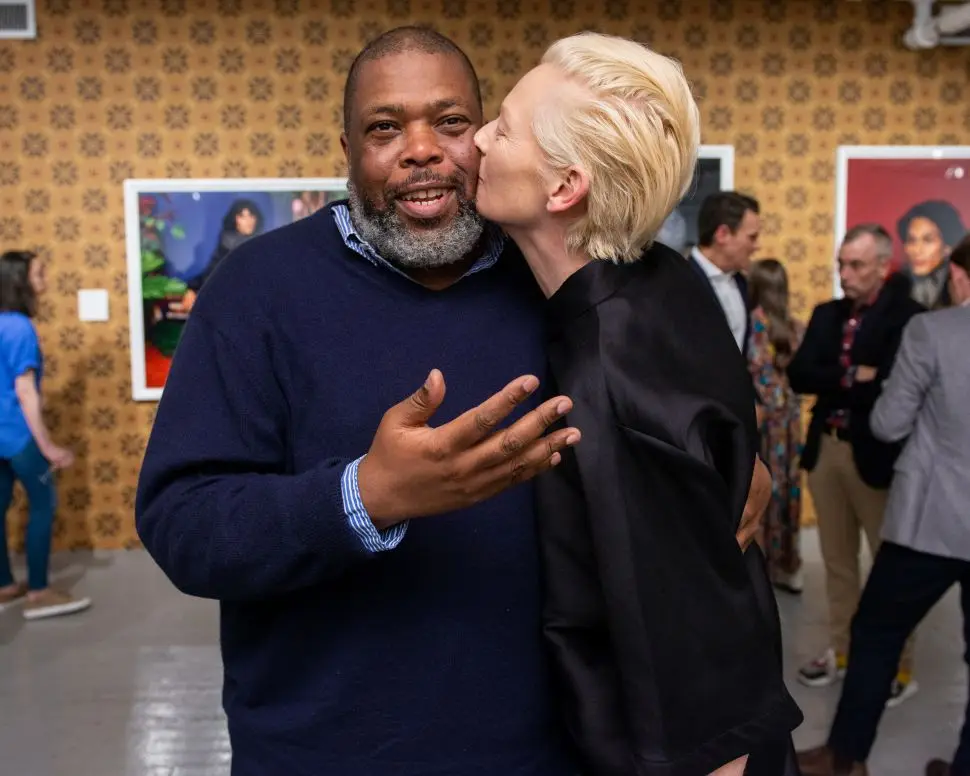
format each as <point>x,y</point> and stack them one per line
<point>510,442</point>
<point>538,458</point>
<point>540,455</point>
<point>417,409</point>
<point>476,424</point>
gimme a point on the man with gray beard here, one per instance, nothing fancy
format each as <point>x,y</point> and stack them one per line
<point>378,577</point>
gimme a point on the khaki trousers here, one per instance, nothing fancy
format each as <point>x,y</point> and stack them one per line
<point>846,506</point>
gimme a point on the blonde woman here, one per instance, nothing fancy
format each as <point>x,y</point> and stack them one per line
<point>664,635</point>
<point>775,336</point>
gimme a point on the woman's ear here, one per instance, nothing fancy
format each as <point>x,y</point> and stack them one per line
<point>568,190</point>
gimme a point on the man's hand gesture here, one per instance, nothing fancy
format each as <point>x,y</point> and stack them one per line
<point>413,470</point>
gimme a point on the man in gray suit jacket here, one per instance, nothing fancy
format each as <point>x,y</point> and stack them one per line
<point>926,532</point>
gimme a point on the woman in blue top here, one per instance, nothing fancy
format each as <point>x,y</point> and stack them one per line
<point>27,453</point>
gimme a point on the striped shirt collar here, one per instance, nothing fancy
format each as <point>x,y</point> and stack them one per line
<point>494,244</point>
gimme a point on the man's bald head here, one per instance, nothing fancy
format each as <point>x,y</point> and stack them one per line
<point>402,40</point>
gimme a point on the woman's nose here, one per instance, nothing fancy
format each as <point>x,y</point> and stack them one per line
<point>480,138</point>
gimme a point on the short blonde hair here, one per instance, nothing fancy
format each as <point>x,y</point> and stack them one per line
<point>636,136</point>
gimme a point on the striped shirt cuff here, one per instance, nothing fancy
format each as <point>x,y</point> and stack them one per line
<point>373,540</point>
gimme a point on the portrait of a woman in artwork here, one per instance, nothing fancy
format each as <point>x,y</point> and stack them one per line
<point>922,198</point>
<point>929,231</point>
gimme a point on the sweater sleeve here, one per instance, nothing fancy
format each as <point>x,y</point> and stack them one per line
<point>217,507</point>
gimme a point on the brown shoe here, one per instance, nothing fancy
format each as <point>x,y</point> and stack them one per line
<point>53,603</point>
<point>937,768</point>
<point>821,762</point>
<point>12,595</point>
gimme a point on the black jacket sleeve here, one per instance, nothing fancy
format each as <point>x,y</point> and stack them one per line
<point>810,372</point>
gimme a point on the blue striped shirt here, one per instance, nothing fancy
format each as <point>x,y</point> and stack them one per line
<point>360,521</point>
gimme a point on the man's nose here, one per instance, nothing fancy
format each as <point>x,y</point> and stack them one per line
<point>423,148</point>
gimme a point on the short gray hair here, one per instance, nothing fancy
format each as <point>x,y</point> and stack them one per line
<point>884,243</point>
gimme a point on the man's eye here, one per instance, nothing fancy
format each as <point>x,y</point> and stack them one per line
<point>382,126</point>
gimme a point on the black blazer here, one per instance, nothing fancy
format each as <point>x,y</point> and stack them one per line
<point>664,635</point>
<point>742,283</point>
<point>815,370</point>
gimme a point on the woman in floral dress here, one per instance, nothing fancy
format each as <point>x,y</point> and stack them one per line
<point>775,337</point>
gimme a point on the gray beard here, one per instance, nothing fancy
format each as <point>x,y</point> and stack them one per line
<point>436,246</point>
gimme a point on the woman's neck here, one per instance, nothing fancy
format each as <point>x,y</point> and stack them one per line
<point>548,258</point>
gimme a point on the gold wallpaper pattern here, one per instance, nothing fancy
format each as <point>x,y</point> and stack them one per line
<point>230,88</point>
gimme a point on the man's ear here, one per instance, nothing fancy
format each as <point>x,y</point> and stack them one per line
<point>568,191</point>
<point>959,284</point>
<point>345,146</point>
<point>722,233</point>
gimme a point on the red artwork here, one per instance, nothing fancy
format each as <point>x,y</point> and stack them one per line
<point>923,203</point>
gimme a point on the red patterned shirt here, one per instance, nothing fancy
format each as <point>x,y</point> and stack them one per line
<point>839,419</point>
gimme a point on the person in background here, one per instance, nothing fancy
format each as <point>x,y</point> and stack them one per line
<point>775,337</point>
<point>243,221</point>
<point>929,231</point>
<point>27,452</point>
<point>728,227</point>
<point>848,350</point>
<point>926,534</point>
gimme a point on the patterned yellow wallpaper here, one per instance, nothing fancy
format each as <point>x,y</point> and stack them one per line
<point>213,88</point>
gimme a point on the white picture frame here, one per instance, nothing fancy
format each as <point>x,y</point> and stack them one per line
<point>714,172</point>
<point>209,197</point>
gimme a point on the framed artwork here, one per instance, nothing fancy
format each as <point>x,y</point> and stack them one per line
<point>919,194</point>
<point>714,172</point>
<point>177,232</point>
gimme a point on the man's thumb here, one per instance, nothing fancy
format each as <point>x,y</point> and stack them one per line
<point>424,402</point>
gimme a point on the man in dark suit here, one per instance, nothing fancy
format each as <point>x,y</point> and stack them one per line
<point>728,228</point>
<point>847,352</point>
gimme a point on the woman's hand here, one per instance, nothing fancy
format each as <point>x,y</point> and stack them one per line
<point>59,457</point>
<point>733,769</point>
<point>759,494</point>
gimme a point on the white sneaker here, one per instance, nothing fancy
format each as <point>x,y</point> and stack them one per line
<point>901,692</point>
<point>53,603</point>
<point>790,583</point>
<point>822,671</point>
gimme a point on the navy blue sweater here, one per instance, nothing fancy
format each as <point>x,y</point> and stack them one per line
<point>423,660</point>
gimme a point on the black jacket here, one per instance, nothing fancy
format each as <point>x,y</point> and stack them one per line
<point>664,635</point>
<point>742,283</point>
<point>815,370</point>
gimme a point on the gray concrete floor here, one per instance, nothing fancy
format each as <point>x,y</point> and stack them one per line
<point>131,687</point>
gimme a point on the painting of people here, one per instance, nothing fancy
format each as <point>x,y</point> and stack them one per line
<point>179,233</point>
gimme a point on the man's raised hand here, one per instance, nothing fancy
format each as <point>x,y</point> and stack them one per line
<point>413,470</point>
